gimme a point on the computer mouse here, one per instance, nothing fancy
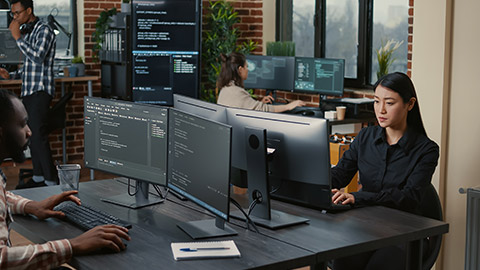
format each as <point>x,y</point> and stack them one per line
<point>308,113</point>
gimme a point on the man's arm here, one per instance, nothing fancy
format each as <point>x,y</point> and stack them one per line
<point>37,51</point>
<point>44,256</point>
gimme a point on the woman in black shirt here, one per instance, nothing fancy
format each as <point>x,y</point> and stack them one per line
<point>395,161</point>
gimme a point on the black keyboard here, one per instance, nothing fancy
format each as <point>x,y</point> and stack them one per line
<point>87,217</point>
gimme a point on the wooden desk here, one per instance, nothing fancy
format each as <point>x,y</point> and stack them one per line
<point>336,235</point>
<point>154,228</point>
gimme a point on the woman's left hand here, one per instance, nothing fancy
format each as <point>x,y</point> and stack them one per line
<point>340,197</point>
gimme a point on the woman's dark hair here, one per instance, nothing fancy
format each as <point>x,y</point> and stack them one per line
<point>25,3</point>
<point>401,83</point>
<point>229,71</point>
<point>6,107</point>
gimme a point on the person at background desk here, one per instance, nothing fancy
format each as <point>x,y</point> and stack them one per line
<point>14,136</point>
<point>36,41</point>
<point>232,94</point>
<point>395,161</point>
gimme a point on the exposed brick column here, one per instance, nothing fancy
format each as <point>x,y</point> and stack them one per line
<point>410,37</point>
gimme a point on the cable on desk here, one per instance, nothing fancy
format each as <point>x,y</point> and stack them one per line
<point>252,205</point>
<point>248,220</point>
<point>159,192</point>
<point>129,186</point>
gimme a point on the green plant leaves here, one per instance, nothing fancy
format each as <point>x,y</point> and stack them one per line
<point>219,37</point>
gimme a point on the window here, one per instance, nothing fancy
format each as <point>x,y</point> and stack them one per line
<point>62,11</point>
<point>348,29</point>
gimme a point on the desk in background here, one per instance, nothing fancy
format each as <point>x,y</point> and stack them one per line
<point>62,81</point>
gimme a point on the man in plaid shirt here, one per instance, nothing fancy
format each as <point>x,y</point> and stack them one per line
<point>14,136</point>
<point>36,40</point>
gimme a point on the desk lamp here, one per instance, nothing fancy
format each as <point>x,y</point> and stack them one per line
<point>56,26</point>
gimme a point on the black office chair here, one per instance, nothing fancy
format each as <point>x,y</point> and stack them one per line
<point>431,207</point>
<point>56,120</point>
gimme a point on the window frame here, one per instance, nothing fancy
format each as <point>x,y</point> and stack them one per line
<point>365,35</point>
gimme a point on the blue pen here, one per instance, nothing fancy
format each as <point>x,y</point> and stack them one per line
<point>198,249</point>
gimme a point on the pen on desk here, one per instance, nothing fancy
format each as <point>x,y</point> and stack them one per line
<point>198,249</point>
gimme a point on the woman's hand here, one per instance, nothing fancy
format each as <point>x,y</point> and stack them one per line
<point>340,197</point>
<point>44,209</point>
<point>296,103</point>
<point>267,100</point>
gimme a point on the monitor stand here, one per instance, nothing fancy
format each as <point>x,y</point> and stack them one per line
<point>141,198</point>
<point>207,228</point>
<point>258,185</point>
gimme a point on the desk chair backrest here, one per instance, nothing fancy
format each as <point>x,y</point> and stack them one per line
<point>432,208</point>
<point>57,114</point>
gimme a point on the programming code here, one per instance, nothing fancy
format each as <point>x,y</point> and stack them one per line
<point>199,160</point>
<point>126,139</point>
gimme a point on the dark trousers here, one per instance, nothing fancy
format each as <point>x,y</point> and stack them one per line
<point>386,258</point>
<point>37,106</point>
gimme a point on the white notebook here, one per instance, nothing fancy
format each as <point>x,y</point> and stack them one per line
<point>199,250</point>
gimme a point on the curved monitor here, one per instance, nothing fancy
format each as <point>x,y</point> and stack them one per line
<point>322,76</point>
<point>270,72</point>
<point>201,108</point>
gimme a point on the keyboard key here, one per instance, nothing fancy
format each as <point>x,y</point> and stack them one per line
<point>87,217</point>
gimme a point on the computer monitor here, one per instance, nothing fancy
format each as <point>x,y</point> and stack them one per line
<point>199,169</point>
<point>201,108</point>
<point>300,150</point>
<point>322,76</point>
<point>270,72</point>
<point>9,51</point>
<point>127,139</point>
<point>166,49</point>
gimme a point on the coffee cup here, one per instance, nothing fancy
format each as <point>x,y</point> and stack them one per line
<point>341,110</point>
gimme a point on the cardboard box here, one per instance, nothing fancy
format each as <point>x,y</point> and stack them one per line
<point>336,153</point>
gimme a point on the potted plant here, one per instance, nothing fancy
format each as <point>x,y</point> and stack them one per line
<point>101,26</point>
<point>281,48</point>
<point>220,36</point>
<point>384,56</point>
<point>77,62</point>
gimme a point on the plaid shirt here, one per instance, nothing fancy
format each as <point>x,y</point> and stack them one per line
<point>44,256</point>
<point>38,48</point>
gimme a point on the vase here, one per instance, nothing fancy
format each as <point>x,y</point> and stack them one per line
<point>126,8</point>
<point>80,69</point>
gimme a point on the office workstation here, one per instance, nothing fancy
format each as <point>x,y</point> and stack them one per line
<point>434,91</point>
<point>177,157</point>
